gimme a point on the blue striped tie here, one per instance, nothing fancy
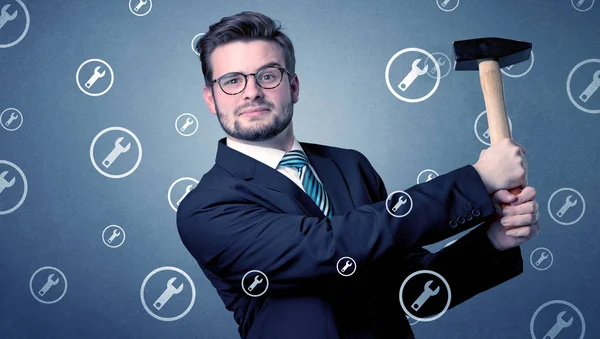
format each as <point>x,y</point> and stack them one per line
<point>314,189</point>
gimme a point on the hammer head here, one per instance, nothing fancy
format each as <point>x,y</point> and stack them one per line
<point>468,53</point>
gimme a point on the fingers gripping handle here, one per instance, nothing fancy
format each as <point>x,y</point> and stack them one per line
<point>493,95</point>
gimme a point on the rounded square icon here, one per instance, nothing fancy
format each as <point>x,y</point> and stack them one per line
<point>557,319</point>
<point>168,293</point>
<point>14,22</point>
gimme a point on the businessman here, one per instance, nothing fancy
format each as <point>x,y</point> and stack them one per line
<point>292,209</point>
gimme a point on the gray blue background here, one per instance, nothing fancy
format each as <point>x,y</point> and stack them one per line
<point>342,50</point>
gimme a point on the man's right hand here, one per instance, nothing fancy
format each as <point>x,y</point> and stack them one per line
<point>502,166</point>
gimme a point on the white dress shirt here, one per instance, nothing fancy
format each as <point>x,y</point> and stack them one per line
<point>271,157</point>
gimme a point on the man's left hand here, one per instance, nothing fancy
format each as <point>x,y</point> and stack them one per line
<point>514,224</point>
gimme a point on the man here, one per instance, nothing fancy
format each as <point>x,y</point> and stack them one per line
<point>292,209</point>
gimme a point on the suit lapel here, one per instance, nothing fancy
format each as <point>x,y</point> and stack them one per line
<point>248,168</point>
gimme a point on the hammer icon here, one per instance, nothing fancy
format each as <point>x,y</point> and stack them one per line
<point>488,55</point>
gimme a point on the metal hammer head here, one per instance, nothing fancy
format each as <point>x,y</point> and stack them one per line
<point>468,53</point>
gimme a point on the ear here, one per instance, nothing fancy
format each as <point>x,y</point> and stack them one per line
<point>209,99</point>
<point>295,88</point>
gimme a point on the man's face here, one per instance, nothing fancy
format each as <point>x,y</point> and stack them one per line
<point>249,57</point>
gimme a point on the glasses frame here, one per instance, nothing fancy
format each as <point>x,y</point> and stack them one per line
<point>281,69</point>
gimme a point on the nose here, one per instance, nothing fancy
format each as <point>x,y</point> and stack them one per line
<point>252,88</point>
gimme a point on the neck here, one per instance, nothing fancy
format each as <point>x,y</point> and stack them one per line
<point>282,141</point>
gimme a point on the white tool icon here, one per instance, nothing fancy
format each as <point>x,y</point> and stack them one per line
<point>188,122</point>
<point>441,62</point>
<point>167,294</point>
<point>427,292</point>
<point>118,150</point>
<point>543,257</point>
<point>401,201</point>
<point>429,177</point>
<point>592,87</point>
<point>257,280</point>
<point>486,134</point>
<point>580,2</point>
<point>13,117</point>
<point>508,67</point>
<point>565,207</point>
<point>48,284</point>
<point>5,184</point>
<point>558,326</point>
<point>97,75</point>
<point>115,234</point>
<point>187,190</point>
<point>445,3</point>
<point>139,5</point>
<point>5,17</point>
<point>346,266</point>
<point>412,75</point>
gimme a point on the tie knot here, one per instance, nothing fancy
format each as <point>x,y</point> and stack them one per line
<point>294,158</point>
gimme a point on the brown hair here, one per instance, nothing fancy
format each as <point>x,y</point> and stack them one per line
<point>244,26</point>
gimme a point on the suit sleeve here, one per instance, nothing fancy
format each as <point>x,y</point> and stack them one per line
<point>230,233</point>
<point>471,265</point>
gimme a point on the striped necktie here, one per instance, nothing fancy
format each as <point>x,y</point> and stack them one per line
<point>312,186</point>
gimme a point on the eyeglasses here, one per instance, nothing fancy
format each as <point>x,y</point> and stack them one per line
<point>235,82</point>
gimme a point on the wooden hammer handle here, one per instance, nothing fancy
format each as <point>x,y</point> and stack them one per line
<point>493,94</point>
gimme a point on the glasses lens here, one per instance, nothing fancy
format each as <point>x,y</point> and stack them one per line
<point>232,83</point>
<point>269,77</point>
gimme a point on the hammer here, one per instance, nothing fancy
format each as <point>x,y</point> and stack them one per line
<point>488,55</point>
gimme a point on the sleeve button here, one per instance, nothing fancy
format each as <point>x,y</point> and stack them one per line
<point>453,223</point>
<point>468,216</point>
<point>461,220</point>
<point>475,212</point>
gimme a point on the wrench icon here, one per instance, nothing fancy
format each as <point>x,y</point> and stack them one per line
<point>142,3</point>
<point>5,184</point>
<point>592,87</point>
<point>401,201</point>
<point>187,190</point>
<point>445,3</point>
<point>568,204</point>
<point>115,234</point>
<point>167,294</point>
<point>188,122</point>
<point>558,326</point>
<point>427,292</point>
<point>48,284</point>
<point>429,177</point>
<point>579,3</point>
<point>348,264</point>
<point>97,75</point>
<point>412,75</point>
<point>5,17</point>
<point>115,152</point>
<point>257,280</point>
<point>543,257</point>
<point>13,116</point>
<point>441,62</point>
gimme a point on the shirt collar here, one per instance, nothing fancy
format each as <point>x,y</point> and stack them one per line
<point>267,155</point>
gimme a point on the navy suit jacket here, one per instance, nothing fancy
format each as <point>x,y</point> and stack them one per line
<point>244,215</point>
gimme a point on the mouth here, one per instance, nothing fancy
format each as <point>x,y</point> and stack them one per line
<point>257,111</point>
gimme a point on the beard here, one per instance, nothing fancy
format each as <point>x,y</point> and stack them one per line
<point>264,128</point>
